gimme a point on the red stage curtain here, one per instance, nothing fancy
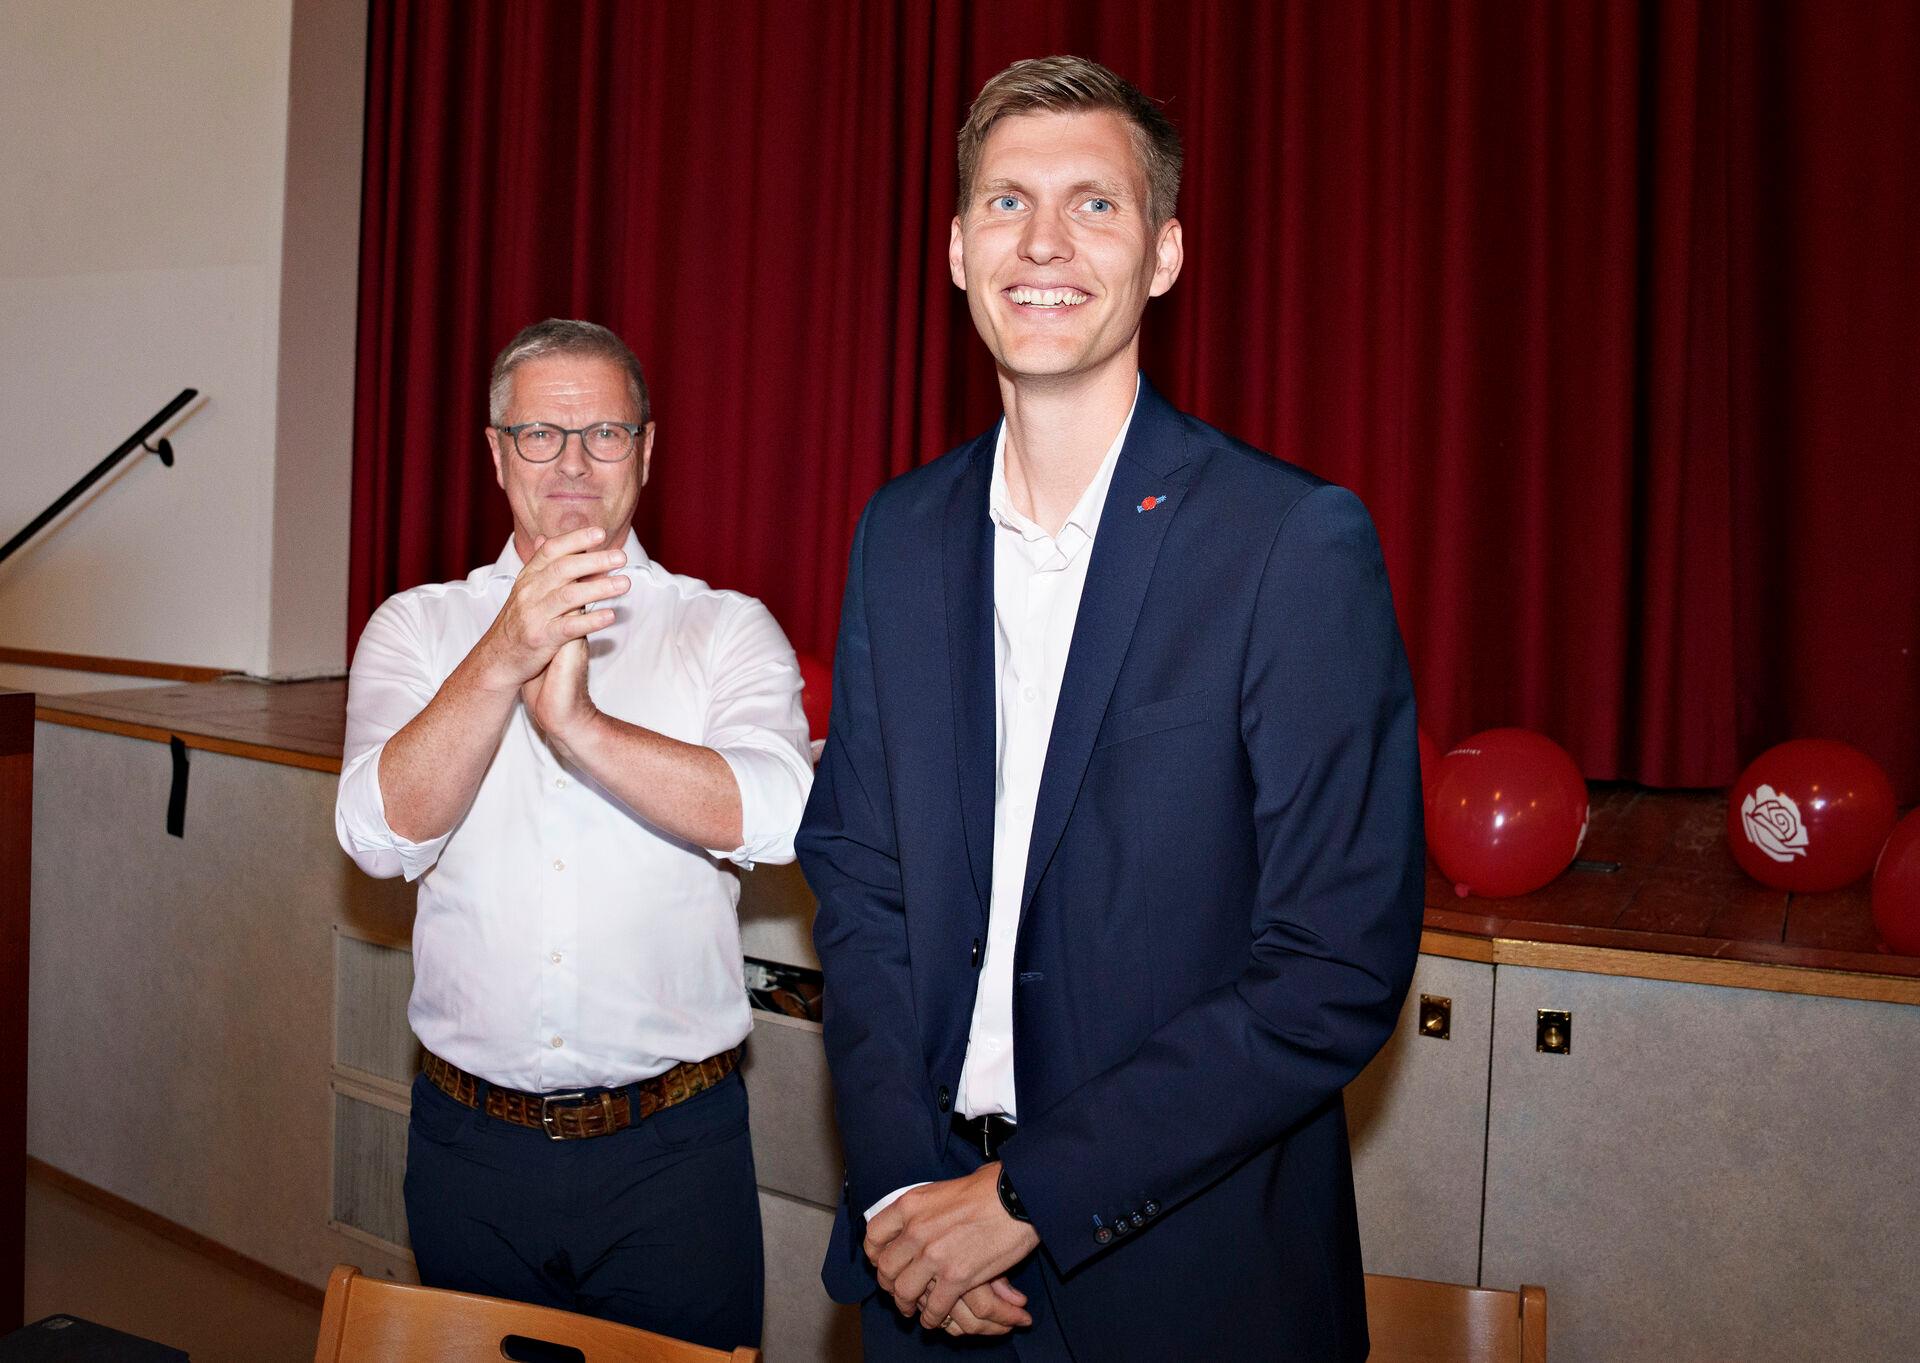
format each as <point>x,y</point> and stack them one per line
<point>1611,313</point>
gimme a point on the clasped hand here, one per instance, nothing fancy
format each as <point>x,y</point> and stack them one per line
<point>538,642</point>
<point>942,1251</point>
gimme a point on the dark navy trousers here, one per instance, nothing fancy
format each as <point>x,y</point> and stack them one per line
<point>656,1226</point>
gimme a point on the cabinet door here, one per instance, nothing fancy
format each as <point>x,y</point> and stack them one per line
<point>802,1324</point>
<point>1417,1117</point>
<point>1710,1174</point>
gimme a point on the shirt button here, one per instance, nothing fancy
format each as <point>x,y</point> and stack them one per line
<point>559,783</point>
<point>1031,694</point>
<point>555,958</point>
<point>557,1043</point>
<point>559,865</point>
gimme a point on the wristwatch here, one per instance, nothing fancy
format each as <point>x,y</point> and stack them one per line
<point>1010,1199</point>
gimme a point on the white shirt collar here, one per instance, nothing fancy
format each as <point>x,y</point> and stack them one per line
<point>1085,516</point>
<point>510,563</point>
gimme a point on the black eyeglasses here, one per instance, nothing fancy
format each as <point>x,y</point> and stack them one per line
<point>539,442</point>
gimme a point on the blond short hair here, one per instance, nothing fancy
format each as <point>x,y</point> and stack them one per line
<point>1076,85</point>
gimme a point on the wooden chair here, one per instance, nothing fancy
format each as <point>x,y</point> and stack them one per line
<point>368,1320</point>
<point>1414,1321</point>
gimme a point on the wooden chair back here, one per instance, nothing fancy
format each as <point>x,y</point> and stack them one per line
<point>1411,1320</point>
<point>368,1320</point>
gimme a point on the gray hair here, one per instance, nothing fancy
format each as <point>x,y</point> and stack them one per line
<point>1065,85</point>
<point>561,336</point>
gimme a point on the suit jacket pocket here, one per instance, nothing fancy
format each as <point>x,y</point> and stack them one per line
<point>1175,712</point>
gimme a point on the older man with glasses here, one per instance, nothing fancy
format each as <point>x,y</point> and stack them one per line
<point>566,749</point>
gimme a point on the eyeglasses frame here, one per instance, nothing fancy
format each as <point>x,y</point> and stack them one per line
<point>632,428</point>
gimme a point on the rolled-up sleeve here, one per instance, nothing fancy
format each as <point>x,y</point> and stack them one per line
<point>756,724</point>
<point>391,682</point>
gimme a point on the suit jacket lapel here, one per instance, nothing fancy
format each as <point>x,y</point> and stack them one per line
<point>1153,463</point>
<point>969,583</point>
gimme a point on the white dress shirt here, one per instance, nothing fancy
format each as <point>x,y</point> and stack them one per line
<point>1037,583</point>
<point>560,941</point>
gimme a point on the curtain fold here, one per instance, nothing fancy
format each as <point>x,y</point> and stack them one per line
<point>1609,311</point>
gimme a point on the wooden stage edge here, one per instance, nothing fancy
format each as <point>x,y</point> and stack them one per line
<point>1541,952</point>
<point>257,752</point>
<point>1655,965</point>
<point>113,1204</point>
<point>112,667</point>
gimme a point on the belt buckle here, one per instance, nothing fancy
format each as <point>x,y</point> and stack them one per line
<point>546,1111</point>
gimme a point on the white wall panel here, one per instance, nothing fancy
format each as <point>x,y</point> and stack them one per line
<point>802,1324</point>
<point>1417,1117</point>
<point>181,1007</point>
<point>181,211</point>
<point>1711,1174</point>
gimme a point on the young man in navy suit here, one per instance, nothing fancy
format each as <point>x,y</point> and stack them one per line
<point>1117,832</point>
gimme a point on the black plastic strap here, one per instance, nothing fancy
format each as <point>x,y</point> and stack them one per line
<point>177,797</point>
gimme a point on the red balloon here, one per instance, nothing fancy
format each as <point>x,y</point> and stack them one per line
<point>1896,888</point>
<point>1809,815</point>
<point>1429,765</point>
<point>816,693</point>
<point>1507,812</point>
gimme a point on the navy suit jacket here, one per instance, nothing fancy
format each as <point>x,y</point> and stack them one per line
<point>1223,891</point>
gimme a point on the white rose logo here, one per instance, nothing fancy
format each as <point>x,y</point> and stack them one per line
<point>1772,821</point>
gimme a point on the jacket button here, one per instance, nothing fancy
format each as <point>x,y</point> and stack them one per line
<point>1152,1209</point>
<point>974,959</point>
<point>946,1098</point>
<point>1120,1226</point>
<point>1103,1235</point>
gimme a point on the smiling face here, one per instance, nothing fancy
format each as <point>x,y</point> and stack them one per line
<point>1056,249</point>
<point>573,491</point>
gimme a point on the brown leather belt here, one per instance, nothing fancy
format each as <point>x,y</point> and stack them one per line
<point>586,1112</point>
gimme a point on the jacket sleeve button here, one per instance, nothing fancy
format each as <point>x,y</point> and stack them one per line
<point>1152,1209</point>
<point>1103,1235</point>
<point>1139,1220</point>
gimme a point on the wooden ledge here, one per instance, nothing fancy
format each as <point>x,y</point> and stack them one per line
<point>291,724</point>
<point>1739,965</point>
<point>257,752</point>
<point>1607,924</point>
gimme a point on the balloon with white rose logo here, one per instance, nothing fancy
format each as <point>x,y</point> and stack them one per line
<point>1809,815</point>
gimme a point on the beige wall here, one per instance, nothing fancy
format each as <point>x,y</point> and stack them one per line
<point>166,225</point>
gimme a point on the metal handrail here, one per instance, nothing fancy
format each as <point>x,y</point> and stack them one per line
<point>138,440</point>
